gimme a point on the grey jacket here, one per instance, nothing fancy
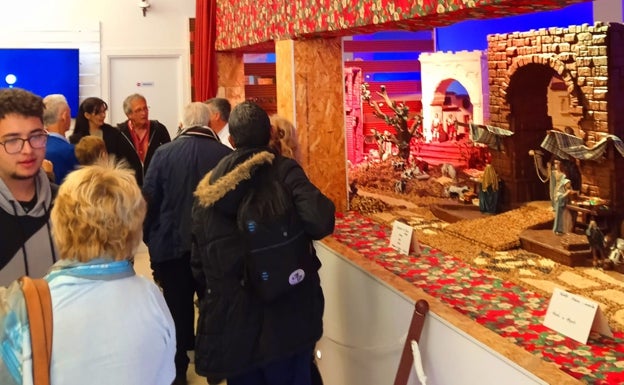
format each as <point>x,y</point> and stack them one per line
<point>26,246</point>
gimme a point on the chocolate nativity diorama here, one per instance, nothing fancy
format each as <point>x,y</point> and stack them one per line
<point>530,157</point>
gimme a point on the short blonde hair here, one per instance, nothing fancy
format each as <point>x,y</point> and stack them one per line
<point>89,149</point>
<point>283,137</point>
<point>98,213</point>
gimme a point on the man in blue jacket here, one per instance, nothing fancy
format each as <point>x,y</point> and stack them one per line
<point>173,175</point>
<point>56,120</point>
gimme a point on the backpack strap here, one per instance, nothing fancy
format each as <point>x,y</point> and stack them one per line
<point>54,188</point>
<point>39,309</point>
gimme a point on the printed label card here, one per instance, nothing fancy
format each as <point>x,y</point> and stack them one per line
<point>403,239</point>
<point>575,316</point>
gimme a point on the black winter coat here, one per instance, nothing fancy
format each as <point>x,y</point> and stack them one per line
<point>110,135</point>
<point>236,331</point>
<point>174,173</point>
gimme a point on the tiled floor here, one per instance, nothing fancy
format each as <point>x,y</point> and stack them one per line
<point>142,267</point>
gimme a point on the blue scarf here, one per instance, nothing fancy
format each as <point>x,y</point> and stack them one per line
<point>98,269</point>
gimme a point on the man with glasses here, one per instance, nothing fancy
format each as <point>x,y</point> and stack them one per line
<point>140,136</point>
<point>26,195</point>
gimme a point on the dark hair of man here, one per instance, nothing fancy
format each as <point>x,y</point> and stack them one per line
<point>81,127</point>
<point>250,125</point>
<point>222,106</point>
<point>20,102</point>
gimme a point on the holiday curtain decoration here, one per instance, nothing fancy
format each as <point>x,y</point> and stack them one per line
<point>266,21</point>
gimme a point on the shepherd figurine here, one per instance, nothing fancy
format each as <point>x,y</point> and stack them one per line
<point>596,243</point>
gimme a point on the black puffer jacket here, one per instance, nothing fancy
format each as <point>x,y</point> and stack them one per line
<point>236,331</point>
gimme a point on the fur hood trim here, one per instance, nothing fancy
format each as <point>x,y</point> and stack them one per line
<point>209,193</point>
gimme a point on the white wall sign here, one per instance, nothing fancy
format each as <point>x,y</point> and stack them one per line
<point>575,316</point>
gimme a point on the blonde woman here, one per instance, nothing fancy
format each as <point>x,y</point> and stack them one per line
<point>110,325</point>
<point>90,149</point>
<point>284,138</point>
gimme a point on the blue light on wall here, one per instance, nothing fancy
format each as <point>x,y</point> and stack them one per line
<point>472,35</point>
<point>42,71</point>
<point>394,76</point>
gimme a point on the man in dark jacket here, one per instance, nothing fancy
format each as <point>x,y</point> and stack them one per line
<point>170,181</point>
<point>241,336</point>
<point>140,136</point>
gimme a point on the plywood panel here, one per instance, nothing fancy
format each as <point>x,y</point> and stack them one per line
<point>231,77</point>
<point>285,78</point>
<point>319,106</point>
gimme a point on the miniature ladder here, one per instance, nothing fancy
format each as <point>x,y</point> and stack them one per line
<point>411,354</point>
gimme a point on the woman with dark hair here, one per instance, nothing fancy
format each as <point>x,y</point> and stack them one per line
<point>255,206</point>
<point>90,121</point>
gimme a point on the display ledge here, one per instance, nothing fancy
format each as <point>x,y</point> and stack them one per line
<point>438,311</point>
<point>363,244</point>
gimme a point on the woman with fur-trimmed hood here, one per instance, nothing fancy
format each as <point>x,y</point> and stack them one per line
<point>240,336</point>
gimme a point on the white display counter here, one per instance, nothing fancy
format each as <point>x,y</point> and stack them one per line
<point>367,314</point>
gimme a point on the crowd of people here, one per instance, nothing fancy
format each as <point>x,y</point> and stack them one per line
<point>106,189</point>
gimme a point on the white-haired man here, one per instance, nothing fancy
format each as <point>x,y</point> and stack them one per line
<point>173,175</point>
<point>56,120</point>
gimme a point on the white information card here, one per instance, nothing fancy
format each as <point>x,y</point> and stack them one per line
<point>403,239</point>
<point>575,316</point>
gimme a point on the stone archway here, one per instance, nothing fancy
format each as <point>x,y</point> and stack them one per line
<point>439,69</point>
<point>579,55</point>
<point>527,97</point>
<point>566,72</point>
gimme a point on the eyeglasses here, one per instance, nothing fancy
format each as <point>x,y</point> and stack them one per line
<point>15,145</point>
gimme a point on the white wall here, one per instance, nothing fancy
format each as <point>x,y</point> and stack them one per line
<point>102,29</point>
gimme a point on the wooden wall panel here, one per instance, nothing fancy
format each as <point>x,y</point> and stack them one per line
<point>285,78</point>
<point>231,77</point>
<point>319,110</point>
